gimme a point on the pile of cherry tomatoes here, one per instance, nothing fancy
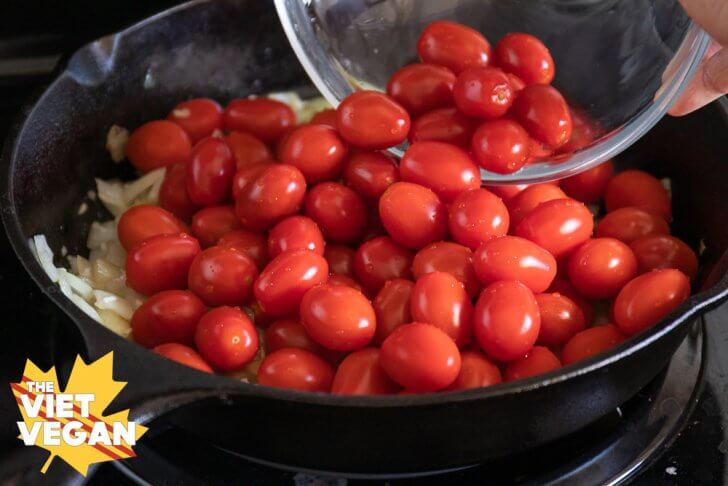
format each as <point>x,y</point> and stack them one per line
<point>368,275</point>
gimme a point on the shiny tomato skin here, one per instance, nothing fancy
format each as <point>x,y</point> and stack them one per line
<point>420,357</point>
<point>590,342</point>
<point>543,112</point>
<point>184,355</point>
<point>442,167</point>
<point>561,319</point>
<point>589,186</point>
<point>638,189</point>
<point>247,149</point>
<point>245,175</point>
<point>371,120</point>
<point>317,151</point>
<point>170,316</point>
<point>361,374</point>
<point>226,338</point>
<point>263,118</point>
<point>422,87</point>
<point>452,258</point>
<point>440,299</point>
<point>662,251</point>
<point>517,83</point>
<point>326,116</point>
<point>476,216</point>
<point>476,371</point>
<point>443,125</point>
<point>144,221</point>
<point>281,285</point>
<point>525,56</point>
<point>295,233</point>
<point>501,146</point>
<point>507,192</point>
<point>648,298</point>
<point>345,281</point>
<point>453,45</point>
<point>290,333</point>
<point>392,307</point>
<point>527,200</point>
<point>483,92</point>
<point>413,215</point>
<point>381,259</point>
<point>370,173</point>
<point>340,259</point>
<point>339,212</point>
<point>563,286</point>
<point>198,117</point>
<point>585,129</point>
<point>600,267</point>
<point>156,144</point>
<point>210,172</point>
<point>538,151</point>
<point>211,223</point>
<point>295,369</point>
<point>628,224</point>
<point>514,258</point>
<point>250,243</point>
<point>506,320</point>
<point>538,361</point>
<point>559,226</point>
<point>222,276</point>
<point>160,263</point>
<point>173,193</point>
<point>276,192</point>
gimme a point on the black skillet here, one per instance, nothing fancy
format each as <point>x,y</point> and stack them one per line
<point>227,49</point>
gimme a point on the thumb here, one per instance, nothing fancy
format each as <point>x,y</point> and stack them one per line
<point>709,83</point>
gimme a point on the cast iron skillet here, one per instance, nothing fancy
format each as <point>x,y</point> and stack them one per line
<point>227,49</point>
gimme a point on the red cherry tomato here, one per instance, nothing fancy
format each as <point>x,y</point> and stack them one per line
<point>638,189</point>
<point>420,357</point>
<point>444,256</point>
<point>662,251</point>
<point>325,117</point>
<point>199,117</point>
<point>381,259</point>
<point>564,287</point>
<point>183,355</point>
<point>483,92</point>
<point>501,146</point>
<point>173,193</point>
<point>558,226</point>
<point>476,216</point>
<point>283,282</point>
<point>144,221</point>
<point>345,281</point>
<point>226,338</point>
<point>290,333</point>
<point>590,342</point>
<point>508,192</point>
<point>444,168</point>
<point>514,258</point>
<point>420,88</point>
<point>361,374</point>
<point>530,198</point>
<point>506,320</point>
<point>247,149</point>
<point>392,307</point>
<point>440,299</point>
<point>295,369</point>
<point>648,298</point>
<point>372,120</point>
<point>543,112</point>
<point>561,318</point>
<point>340,259</point>
<point>295,233</point>
<point>537,151</point>
<point>276,192</point>
<point>413,215</point>
<point>212,222</point>
<point>160,263</point>
<point>444,125</point>
<point>370,173</point>
<point>210,172</point>
<point>585,130</point>
<point>374,227</point>
<point>476,371</point>
<point>526,57</point>
<point>158,144</point>
<point>340,212</point>
<point>251,244</point>
<point>589,186</point>
<point>453,45</point>
<point>222,276</point>
<point>316,150</point>
<point>245,175</point>
<point>601,267</point>
<point>264,118</point>
<point>170,316</point>
<point>538,361</point>
<point>516,83</point>
<point>628,224</point>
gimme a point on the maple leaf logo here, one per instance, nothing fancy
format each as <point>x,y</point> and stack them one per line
<point>71,424</point>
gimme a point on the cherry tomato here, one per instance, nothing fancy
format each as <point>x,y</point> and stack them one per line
<point>158,144</point>
<point>420,357</point>
<point>514,258</point>
<point>538,361</point>
<point>264,118</point>
<point>476,371</point>
<point>290,333</point>
<point>276,192</point>
<point>538,151</point>
<point>601,267</point>
<point>144,221</point>
<point>516,83</point>
<point>325,117</point>
<point>222,276</point>
<point>558,226</point>
<point>420,88</point>
<point>173,193</point>
<point>160,263</point>
<point>590,342</point>
<point>564,287</point>
<point>340,259</point>
<point>372,120</point>
<point>638,189</point>
<point>483,92</point>
<point>199,117</point>
<point>284,281</point>
<point>345,281</point>
<point>530,198</point>
<point>295,369</point>
<point>561,318</point>
<point>662,251</point>
<point>453,45</point>
<point>370,173</point>
<point>245,175</point>
<point>444,168</point>
<point>589,186</point>
<point>585,130</point>
<point>381,259</point>
<point>506,320</point>
<point>628,224</point>
<point>392,307</point>
<point>170,316</point>
<point>648,298</point>
<point>543,112</point>
<point>452,258</point>
<point>440,299</point>
<point>361,374</point>
<point>247,149</point>
<point>501,146</point>
<point>210,172</point>
<point>226,338</point>
<point>295,233</point>
<point>412,214</point>
<point>476,216</point>
<point>316,150</point>
<point>507,192</point>
<point>183,355</point>
<point>212,222</point>
<point>374,227</point>
<point>443,125</point>
<point>526,57</point>
<point>251,244</point>
<point>340,212</point>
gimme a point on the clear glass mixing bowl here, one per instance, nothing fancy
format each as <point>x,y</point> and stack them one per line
<point>621,61</point>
